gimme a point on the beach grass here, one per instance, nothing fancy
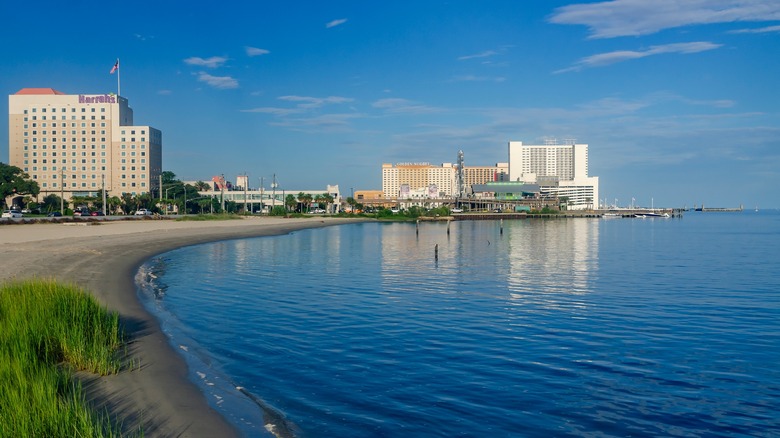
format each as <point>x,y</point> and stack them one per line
<point>47,332</point>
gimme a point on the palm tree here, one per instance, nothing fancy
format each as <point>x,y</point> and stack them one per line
<point>328,198</point>
<point>306,200</point>
<point>290,201</point>
<point>202,186</point>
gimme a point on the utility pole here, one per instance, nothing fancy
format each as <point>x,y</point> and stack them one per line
<point>246,183</point>
<point>104,194</point>
<point>223,193</point>
<point>273,187</point>
<point>262,205</point>
<point>62,191</point>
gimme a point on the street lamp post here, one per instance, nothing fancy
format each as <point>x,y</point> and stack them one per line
<point>166,201</point>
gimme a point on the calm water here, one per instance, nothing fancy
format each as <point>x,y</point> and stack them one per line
<point>584,327</point>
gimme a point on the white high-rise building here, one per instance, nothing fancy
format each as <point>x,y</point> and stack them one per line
<point>77,144</point>
<point>559,169</point>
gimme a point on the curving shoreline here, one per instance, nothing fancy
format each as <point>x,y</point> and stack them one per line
<point>156,395</point>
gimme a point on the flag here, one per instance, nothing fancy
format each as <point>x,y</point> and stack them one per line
<point>115,67</point>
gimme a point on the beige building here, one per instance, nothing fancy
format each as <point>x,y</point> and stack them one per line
<point>410,177</point>
<point>416,176</point>
<point>75,145</point>
<point>484,174</point>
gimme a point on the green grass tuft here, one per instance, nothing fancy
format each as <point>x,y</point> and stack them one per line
<point>48,331</point>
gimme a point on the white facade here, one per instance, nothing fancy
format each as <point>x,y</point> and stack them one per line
<point>75,145</point>
<point>559,169</point>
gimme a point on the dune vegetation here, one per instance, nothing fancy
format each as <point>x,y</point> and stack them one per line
<point>48,331</point>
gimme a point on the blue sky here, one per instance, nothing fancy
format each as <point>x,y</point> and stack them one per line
<point>678,100</point>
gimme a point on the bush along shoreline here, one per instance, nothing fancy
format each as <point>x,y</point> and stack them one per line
<point>49,331</point>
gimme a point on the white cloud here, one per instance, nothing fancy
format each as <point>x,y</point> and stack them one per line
<point>254,51</point>
<point>315,102</point>
<point>617,18</point>
<point>221,82</point>
<point>472,78</point>
<point>272,110</point>
<point>608,58</point>
<point>485,54</point>
<point>213,62</point>
<point>335,23</point>
<point>767,29</point>
<point>398,105</point>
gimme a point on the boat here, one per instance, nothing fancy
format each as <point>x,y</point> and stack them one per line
<point>651,214</point>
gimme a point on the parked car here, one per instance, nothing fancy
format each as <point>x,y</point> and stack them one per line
<point>318,211</point>
<point>13,214</point>
<point>54,214</point>
<point>143,212</point>
<point>457,210</point>
<point>497,210</point>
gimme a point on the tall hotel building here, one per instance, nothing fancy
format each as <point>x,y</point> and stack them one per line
<point>416,176</point>
<point>559,169</point>
<point>79,144</point>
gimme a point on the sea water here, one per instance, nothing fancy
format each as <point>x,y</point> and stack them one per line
<point>515,328</point>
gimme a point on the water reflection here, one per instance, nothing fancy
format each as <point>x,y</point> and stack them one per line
<point>553,257</point>
<point>520,259</point>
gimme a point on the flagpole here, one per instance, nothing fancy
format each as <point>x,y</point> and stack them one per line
<point>118,72</point>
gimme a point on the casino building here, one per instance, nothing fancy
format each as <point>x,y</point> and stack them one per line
<point>75,145</point>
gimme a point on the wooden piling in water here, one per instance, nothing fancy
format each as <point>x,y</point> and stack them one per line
<point>436,252</point>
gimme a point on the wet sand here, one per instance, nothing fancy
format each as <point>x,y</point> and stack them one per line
<point>156,395</point>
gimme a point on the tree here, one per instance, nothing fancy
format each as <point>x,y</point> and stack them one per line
<point>168,177</point>
<point>328,199</point>
<point>113,204</point>
<point>50,203</point>
<point>290,201</point>
<point>202,186</point>
<point>305,199</point>
<point>352,203</point>
<point>14,182</point>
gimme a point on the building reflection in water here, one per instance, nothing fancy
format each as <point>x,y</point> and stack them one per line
<point>529,260</point>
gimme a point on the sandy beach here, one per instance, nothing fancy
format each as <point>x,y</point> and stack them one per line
<point>155,396</point>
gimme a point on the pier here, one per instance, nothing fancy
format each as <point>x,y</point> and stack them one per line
<point>621,213</point>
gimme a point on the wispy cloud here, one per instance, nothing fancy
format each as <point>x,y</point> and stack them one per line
<point>221,82</point>
<point>335,23</point>
<point>273,110</point>
<point>608,58</point>
<point>485,54</point>
<point>398,105</point>
<point>315,102</point>
<point>609,19</point>
<point>213,62</point>
<point>254,51</point>
<point>472,78</point>
<point>768,29</point>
